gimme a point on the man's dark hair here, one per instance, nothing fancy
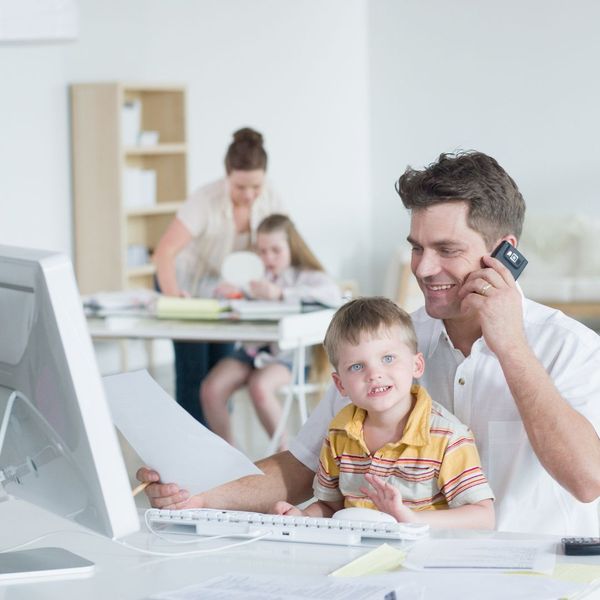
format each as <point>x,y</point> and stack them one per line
<point>496,207</point>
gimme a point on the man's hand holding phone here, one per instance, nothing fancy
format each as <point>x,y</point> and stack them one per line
<point>493,293</point>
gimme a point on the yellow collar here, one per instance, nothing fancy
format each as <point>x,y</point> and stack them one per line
<point>416,433</point>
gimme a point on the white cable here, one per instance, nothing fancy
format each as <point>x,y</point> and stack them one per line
<point>170,541</point>
<point>40,537</point>
<point>143,550</point>
<point>191,552</point>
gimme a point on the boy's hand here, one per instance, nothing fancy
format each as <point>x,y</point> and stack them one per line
<point>285,508</point>
<point>387,499</point>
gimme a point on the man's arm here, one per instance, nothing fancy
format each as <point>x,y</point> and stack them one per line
<point>564,441</point>
<point>284,477</point>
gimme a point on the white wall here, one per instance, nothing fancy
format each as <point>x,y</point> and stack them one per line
<point>347,93</point>
<point>517,80</point>
<point>295,70</point>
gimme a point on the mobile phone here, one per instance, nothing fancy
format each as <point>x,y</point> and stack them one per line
<point>511,258</point>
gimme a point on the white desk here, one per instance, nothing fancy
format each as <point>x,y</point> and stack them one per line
<point>125,574</point>
<point>292,332</point>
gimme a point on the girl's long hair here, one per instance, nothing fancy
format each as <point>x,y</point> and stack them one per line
<point>302,256</point>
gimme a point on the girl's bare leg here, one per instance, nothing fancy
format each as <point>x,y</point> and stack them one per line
<point>227,376</point>
<point>263,385</point>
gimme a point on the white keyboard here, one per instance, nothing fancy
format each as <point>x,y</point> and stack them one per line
<point>230,523</point>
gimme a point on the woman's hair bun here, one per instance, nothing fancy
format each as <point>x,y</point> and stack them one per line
<point>248,136</point>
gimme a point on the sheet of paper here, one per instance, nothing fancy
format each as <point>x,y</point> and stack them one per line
<point>381,559</point>
<point>257,587</point>
<point>459,585</point>
<point>264,309</point>
<point>168,439</point>
<point>483,555</point>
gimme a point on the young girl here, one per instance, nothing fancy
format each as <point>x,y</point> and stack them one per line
<point>292,272</point>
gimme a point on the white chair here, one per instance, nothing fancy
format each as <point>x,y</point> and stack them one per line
<point>400,284</point>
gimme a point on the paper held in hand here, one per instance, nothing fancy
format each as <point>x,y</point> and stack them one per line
<point>170,440</point>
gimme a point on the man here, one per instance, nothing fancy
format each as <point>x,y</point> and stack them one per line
<point>525,378</point>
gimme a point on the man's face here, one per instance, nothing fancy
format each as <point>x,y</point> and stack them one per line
<point>444,251</point>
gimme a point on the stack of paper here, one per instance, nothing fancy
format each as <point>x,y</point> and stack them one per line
<point>107,303</point>
<point>264,309</point>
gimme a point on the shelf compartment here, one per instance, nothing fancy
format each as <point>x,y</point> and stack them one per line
<point>171,173</point>
<point>146,230</point>
<point>163,110</point>
<point>161,208</point>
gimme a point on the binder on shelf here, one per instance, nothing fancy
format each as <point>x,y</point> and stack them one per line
<point>131,122</point>
<point>139,187</point>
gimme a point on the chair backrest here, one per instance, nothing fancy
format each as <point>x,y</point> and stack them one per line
<point>349,288</point>
<point>400,284</point>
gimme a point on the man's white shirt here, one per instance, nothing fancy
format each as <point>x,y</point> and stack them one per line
<point>475,390</point>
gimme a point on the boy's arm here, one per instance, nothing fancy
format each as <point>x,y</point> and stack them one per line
<point>284,477</point>
<point>479,515</point>
<point>387,498</point>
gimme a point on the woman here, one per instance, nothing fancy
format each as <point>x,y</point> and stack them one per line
<point>217,219</point>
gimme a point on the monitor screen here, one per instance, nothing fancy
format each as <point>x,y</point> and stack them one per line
<point>58,446</point>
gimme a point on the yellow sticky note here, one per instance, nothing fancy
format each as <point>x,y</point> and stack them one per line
<point>576,572</point>
<point>383,558</point>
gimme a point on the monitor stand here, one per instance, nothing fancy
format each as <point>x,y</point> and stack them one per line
<point>47,562</point>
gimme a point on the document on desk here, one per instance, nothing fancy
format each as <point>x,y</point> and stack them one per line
<point>168,439</point>
<point>476,554</point>
<point>259,587</point>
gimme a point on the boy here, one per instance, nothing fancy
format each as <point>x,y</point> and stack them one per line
<point>393,449</point>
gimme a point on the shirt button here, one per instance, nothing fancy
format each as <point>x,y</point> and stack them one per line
<point>461,381</point>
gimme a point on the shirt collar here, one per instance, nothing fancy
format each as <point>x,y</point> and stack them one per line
<point>416,431</point>
<point>438,329</point>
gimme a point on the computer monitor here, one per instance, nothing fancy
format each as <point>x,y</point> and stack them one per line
<point>58,445</point>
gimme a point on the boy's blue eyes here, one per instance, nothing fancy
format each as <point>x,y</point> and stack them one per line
<point>386,360</point>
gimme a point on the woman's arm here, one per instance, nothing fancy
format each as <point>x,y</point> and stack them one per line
<point>175,238</point>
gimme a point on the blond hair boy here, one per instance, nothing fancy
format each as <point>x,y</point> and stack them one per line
<point>393,449</point>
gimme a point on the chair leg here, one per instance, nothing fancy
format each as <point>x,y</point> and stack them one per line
<point>301,387</point>
<point>285,413</point>
<point>289,398</point>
